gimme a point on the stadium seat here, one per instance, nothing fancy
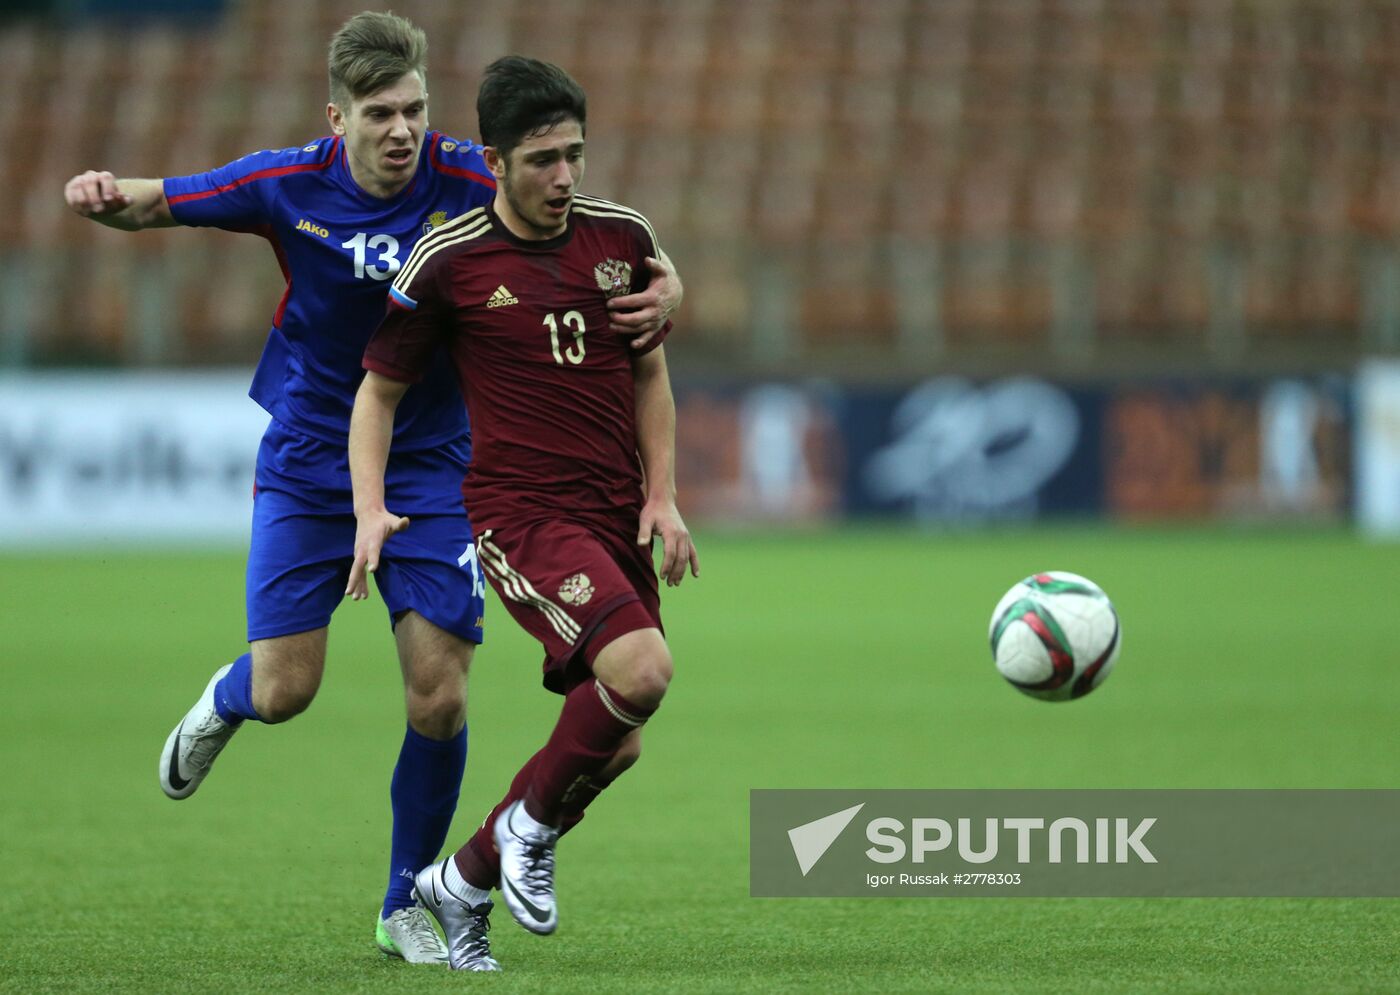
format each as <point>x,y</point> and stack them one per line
<point>1044,148</point>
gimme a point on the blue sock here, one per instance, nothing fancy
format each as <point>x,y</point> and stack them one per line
<point>233,695</point>
<point>423,794</point>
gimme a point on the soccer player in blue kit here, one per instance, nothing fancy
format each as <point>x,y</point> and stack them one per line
<point>342,213</point>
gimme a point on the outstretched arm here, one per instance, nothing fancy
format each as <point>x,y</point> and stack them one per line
<point>371,433</point>
<point>642,315</point>
<point>126,204</point>
<point>656,444</point>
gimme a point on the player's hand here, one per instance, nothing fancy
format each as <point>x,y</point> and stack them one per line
<point>95,193</point>
<point>372,530</point>
<point>643,315</point>
<point>677,548</point>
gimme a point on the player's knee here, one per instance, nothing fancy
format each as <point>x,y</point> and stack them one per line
<point>637,666</point>
<point>438,712</point>
<point>286,699</point>
<point>287,674</point>
<point>435,665</point>
<point>648,678</point>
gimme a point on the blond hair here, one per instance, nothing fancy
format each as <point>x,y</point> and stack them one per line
<point>371,51</point>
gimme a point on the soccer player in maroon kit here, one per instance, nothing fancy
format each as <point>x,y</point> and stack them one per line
<point>572,471</point>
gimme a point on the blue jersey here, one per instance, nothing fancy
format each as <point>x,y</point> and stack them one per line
<point>339,248</point>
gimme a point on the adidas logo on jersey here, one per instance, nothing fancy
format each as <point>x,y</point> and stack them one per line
<point>502,298</point>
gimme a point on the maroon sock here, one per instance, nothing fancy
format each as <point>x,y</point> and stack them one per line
<point>587,717</point>
<point>591,727</point>
<point>480,862</point>
<point>585,789</point>
<point>477,859</point>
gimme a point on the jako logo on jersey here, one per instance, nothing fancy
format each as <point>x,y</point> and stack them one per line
<point>576,590</point>
<point>435,220</point>
<point>448,146</point>
<point>501,298</point>
<point>304,225</point>
<point>614,277</point>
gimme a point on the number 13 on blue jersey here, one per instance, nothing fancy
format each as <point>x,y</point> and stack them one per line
<point>386,251</point>
<point>468,560</point>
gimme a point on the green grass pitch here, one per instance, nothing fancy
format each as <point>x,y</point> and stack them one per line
<point>846,659</point>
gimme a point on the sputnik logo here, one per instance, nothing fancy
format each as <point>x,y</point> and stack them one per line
<point>812,839</point>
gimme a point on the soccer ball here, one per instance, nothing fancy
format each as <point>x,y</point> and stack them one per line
<point>1055,636</point>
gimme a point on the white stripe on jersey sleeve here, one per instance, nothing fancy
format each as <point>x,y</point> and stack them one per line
<point>462,227</point>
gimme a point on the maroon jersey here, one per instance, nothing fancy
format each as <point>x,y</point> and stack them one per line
<point>549,389</point>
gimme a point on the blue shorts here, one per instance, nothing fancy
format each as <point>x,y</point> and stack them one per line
<point>304,538</point>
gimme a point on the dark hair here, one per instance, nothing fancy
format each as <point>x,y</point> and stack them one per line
<point>371,51</point>
<point>520,97</point>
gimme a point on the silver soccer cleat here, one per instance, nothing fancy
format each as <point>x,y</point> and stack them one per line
<point>465,926</point>
<point>527,873</point>
<point>409,933</point>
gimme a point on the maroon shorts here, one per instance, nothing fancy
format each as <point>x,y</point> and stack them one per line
<point>561,580</point>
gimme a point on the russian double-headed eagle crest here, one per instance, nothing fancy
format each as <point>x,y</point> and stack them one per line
<point>576,590</point>
<point>614,277</point>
